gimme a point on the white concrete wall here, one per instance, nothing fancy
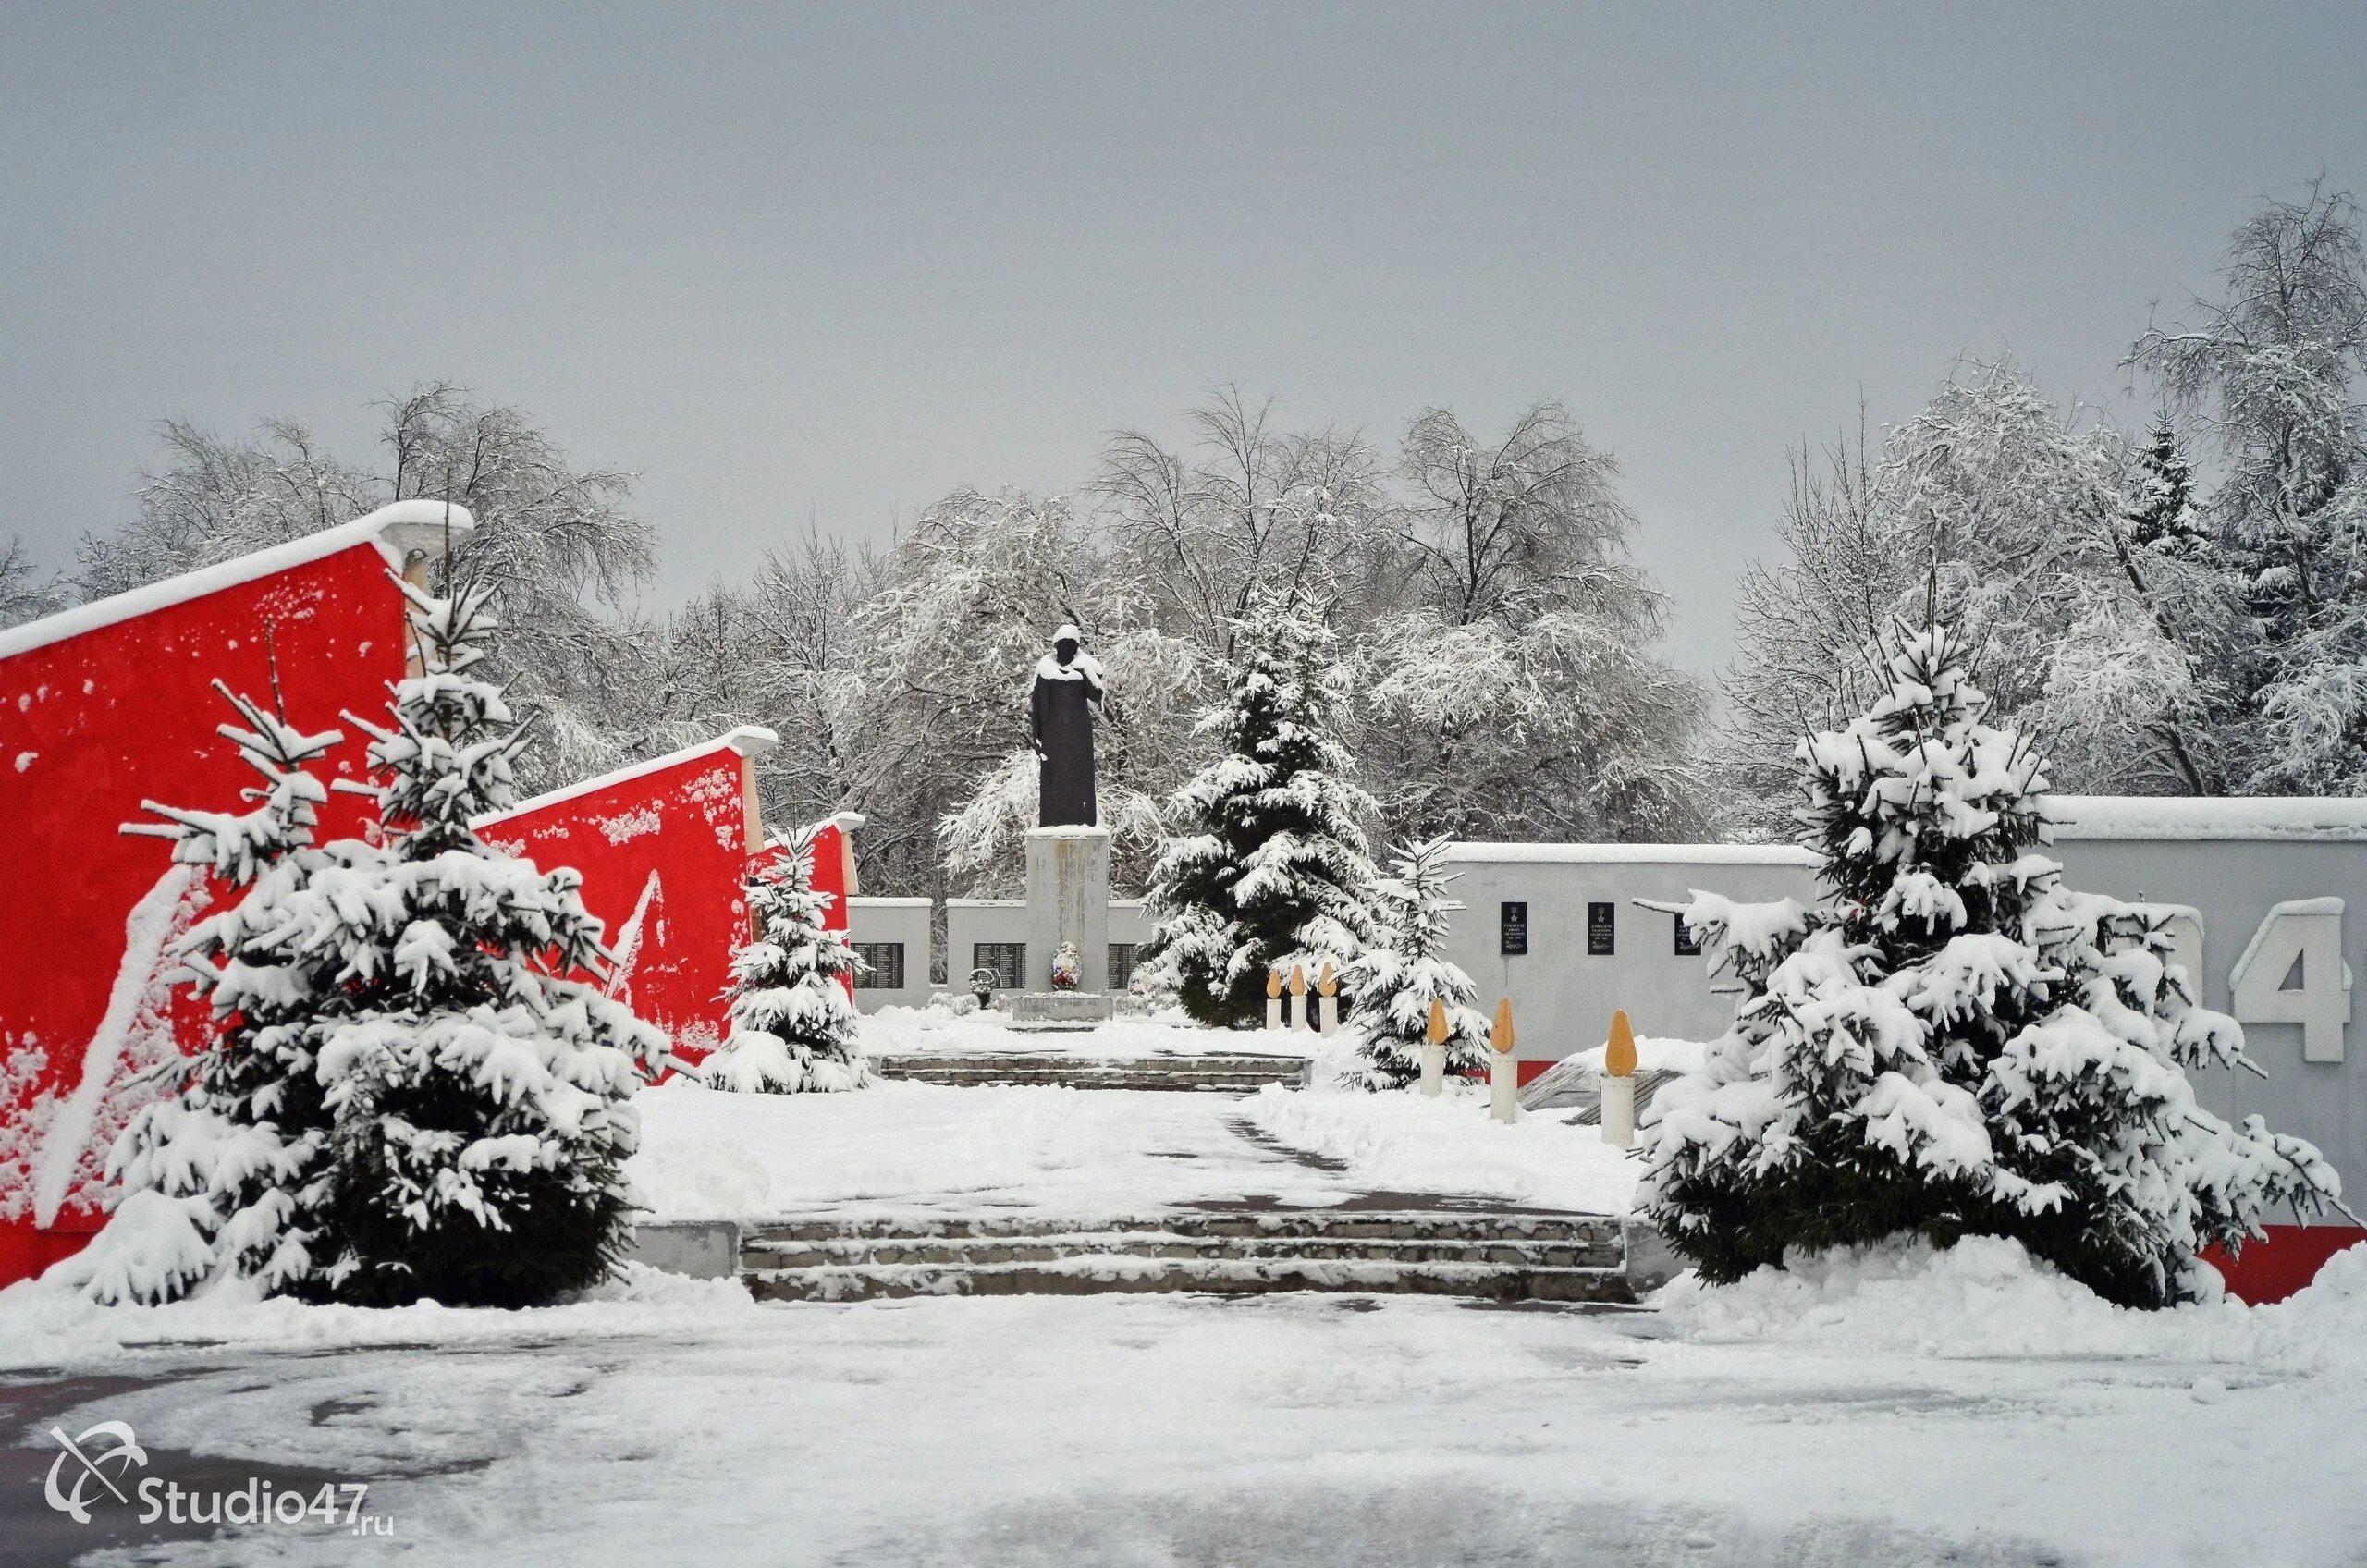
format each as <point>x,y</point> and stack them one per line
<point>904,921</point>
<point>2231,861</point>
<point>970,921</point>
<point>1562,997</point>
<point>2233,871</point>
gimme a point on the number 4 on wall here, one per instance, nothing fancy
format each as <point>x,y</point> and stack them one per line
<point>2293,973</point>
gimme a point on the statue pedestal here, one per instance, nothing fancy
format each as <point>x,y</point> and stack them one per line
<point>1038,1011</point>
<point>1068,901</point>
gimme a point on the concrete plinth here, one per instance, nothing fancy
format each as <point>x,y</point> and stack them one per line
<point>1059,1010</point>
<point>1068,901</point>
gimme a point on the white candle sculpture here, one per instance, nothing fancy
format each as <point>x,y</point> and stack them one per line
<point>1503,1072</point>
<point>1619,1085</point>
<point>1434,1051</point>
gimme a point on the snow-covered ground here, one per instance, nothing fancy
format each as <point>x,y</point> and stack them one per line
<point>1899,1407</point>
<point>941,1028</point>
<point>1403,1142</point>
<point>1875,1414</point>
<point>902,1147</point>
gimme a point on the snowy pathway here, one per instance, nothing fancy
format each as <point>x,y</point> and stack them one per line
<point>933,1029</point>
<point>905,1147</point>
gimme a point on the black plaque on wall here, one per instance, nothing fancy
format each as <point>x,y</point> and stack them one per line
<point>1601,925</point>
<point>1686,946</point>
<point>1512,929</point>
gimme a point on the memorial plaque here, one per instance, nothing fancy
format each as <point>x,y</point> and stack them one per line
<point>1686,946</point>
<point>1600,924</point>
<point>1512,929</point>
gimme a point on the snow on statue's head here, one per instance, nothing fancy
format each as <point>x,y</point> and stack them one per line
<point>1066,642</point>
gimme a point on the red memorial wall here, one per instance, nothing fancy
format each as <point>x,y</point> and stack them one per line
<point>833,870</point>
<point>104,706</point>
<point>664,848</point>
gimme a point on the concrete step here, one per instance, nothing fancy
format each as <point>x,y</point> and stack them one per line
<point>1469,1226</point>
<point>1122,1274</point>
<point>1489,1255</point>
<point>1064,1081</point>
<point>1022,1061</point>
<point>963,1252</point>
<point>1230,1073</point>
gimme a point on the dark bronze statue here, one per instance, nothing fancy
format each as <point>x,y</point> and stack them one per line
<point>1059,721</point>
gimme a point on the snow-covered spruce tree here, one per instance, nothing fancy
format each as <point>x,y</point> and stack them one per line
<point>1404,968</point>
<point>481,1097</point>
<point>792,1025</point>
<point>1953,1042</point>
<point>2158,500</point>
<point>1274,868</point>
<point>228,1178</point>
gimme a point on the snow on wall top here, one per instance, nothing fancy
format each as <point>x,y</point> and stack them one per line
<point>865,900</point>
<point>392,528</point>
<point>1469,850</point>
<point>2260,818</point>
<point>749,740</point>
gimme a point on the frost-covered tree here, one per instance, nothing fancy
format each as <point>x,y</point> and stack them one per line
<point>792,1023</point>
<point>481,1096</point>
<point>1248,509</point>
<point>783,649</point>
<point>556,548</point>
<point>1406,969</point>
<point>1271,866</point>
<point>229,1178</point>
<point>2019,509</point>
<point>1508,680</point>
<point>24,593</point>
<point>2275,372</point>
<point>1953,1042</point>
<point>1800,624</point>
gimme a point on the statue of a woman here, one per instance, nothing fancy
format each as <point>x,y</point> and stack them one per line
<point>1059,715</point>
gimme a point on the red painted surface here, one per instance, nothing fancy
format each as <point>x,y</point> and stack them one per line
<point>1528,1069</point>
<point>92,722</point>
<point>664,853</point>
<point>2272,1269</point>
<point>833,875</point>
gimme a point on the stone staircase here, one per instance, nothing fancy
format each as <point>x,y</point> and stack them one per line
<point>1498,1256</point>
<point>1234,1072</point>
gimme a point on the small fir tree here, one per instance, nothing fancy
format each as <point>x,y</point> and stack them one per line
<point>1275,870</point>
<point>792,1024</point>
<point>1406,969</point>
<point>1953,1042</point>
<point>481,1097</point>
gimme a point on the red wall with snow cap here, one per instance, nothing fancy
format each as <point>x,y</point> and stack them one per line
<point>833,871</point>
<point>101,708</point>
<point>664,848</point>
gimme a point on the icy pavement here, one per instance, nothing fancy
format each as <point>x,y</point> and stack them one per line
<point>694,1427</point>
<point>939,1028</point>
<point>901,1148</point>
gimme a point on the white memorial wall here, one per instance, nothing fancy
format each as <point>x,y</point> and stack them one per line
<point>2275,890</point>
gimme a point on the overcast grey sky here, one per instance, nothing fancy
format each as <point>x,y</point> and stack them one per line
<point>831,262</point>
